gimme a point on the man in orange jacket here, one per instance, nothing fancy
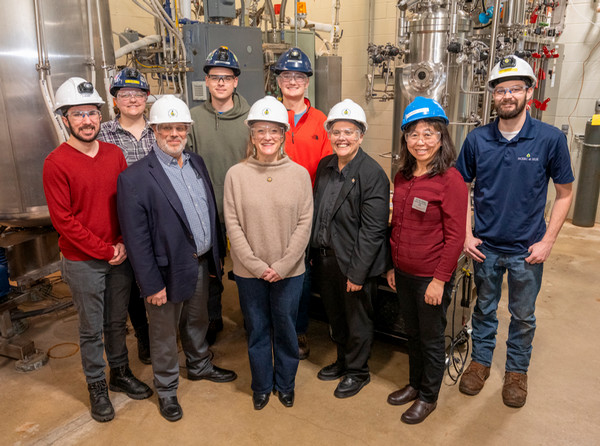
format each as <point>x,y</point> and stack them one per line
<point>305,143</point>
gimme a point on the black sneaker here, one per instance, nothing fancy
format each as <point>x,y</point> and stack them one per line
<point>102,409</point>
<point>122,380</point>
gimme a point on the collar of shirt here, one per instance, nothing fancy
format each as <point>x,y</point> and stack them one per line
<point>528,131</point>
<point>114,125</point>
<point>333,164</point>
<point>167,159</point>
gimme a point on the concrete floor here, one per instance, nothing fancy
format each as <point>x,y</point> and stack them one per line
<point>50,405</point>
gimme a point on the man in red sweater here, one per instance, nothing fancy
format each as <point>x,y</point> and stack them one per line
<point>306,143</point>
<point>80,183</point>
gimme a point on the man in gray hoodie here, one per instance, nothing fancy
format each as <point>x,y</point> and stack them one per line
<point>220,136</point>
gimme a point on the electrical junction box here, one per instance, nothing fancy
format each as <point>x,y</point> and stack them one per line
<point>201,38</point>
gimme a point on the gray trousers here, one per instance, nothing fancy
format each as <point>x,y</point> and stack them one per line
<point>190,318</point>
<point>100,295</point>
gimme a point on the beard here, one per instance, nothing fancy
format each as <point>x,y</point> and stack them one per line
<point>519,106</point>
<point>175,152</point>
<point>76,133</point>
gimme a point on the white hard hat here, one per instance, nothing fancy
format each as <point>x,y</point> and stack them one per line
<point>268,109</point>
<point>511,67</point>
<point>347,110</point>
<point>169,109</point>
<point>76,91</point>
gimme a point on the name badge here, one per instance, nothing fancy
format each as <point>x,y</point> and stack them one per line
<point>419,205</point>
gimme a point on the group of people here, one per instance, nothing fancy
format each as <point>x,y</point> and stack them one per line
<point>142,206</point>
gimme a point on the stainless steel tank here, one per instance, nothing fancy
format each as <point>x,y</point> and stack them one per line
<point>61,31</point>
<point>429,70</point>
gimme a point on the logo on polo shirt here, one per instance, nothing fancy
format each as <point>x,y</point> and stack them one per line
<point>528,157</point>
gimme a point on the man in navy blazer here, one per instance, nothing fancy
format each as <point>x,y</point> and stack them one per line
<point>170,226</point>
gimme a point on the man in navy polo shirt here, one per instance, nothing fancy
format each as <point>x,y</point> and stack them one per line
<point>511,161</point>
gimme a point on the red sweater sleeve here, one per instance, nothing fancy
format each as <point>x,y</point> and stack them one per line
<point>454,220</point>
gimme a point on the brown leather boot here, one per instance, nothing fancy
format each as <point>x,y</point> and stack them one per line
<point>514,391</point>
<point>473,378</point>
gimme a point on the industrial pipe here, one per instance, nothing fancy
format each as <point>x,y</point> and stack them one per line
<point>487,97</point>
<point>282,20</point>
<point>92,61</point>
<point>185,8</point>
<point>133,46</point>
<point>45,80</point>
<point>105,67</point>
<point>269,7</point>
<point>317,26</point>
<point>588,187</point>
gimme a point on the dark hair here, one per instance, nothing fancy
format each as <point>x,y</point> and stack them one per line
<point>359,125</point>
<point>444,158</point>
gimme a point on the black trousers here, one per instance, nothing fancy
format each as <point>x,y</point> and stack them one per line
<point>350,314</point>
<point>137,311</point>
<point>425,326</point>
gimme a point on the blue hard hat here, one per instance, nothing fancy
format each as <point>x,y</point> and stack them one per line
<point>423,108</point>
<point>222,57</point>
<point>293,59</point>
<point>128,78</point>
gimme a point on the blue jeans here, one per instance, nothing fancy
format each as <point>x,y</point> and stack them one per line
<point>270,311</point>
<point>524,282</point>
<point>100,295</point>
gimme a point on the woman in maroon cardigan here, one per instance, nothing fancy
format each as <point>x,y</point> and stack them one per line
<point>428,232</point>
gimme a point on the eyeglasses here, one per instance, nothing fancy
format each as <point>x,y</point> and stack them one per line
<point>80,115</point>
<point>168,128</point>
<point>426,137</point>
<point>262,132</point>
<point>300,78</point>
<point>226,78</point>
<point>348,133</point>
<point>514,90</point>
<point>132,95</point>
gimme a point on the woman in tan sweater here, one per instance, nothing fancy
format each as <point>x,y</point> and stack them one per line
<point>268,213</point>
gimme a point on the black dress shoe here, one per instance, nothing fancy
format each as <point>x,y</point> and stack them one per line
<point>260,400</point>
<point>332,371</point>
<point>418,412</point>
<point>122,380</point>
<point>169,408</point>
<point>214,327</point>
<point>350,386</point>
<point>102,409</point>
<point>403,396</point>
<point>287,399</point>
<point>214,374</point>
